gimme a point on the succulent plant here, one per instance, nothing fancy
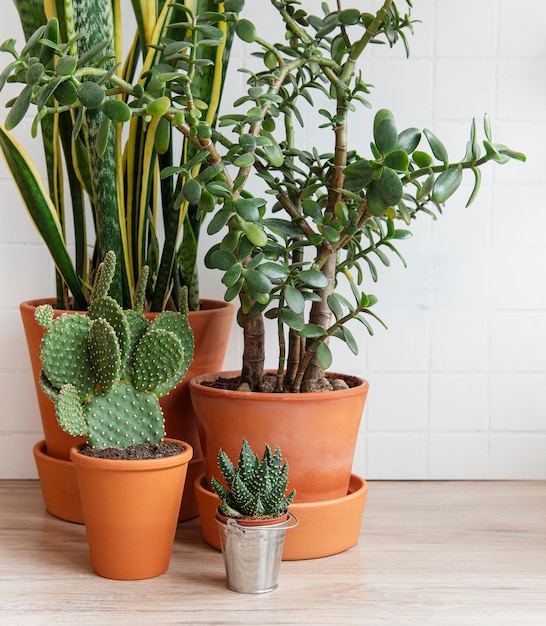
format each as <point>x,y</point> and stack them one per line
<point>255,488</point>
<point>105,370</point>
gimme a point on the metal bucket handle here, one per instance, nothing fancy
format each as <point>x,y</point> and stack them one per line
<point>234,526</point>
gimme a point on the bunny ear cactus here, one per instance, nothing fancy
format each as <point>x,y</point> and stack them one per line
<point>106,370</point>
<point>256,488</point>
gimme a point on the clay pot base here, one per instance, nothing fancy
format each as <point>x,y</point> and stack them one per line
<point>60,487</point>
<point>325,528</point>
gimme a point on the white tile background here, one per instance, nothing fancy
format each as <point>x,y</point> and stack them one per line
<point>458,382</point>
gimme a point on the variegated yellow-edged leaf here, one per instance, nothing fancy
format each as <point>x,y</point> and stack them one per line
<point>41,210</point>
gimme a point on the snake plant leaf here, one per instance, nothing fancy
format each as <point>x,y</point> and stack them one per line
<point>41,211</point>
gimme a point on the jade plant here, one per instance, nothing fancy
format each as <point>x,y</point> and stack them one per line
<point>256,488</point>
<point>302,232</point>
<point>105,370</point>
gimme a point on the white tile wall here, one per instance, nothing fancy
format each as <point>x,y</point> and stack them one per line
<point>458,381</point>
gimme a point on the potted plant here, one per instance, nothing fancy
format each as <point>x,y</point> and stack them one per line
<point>105,371</point>
<point>304,259</point>
<point>118,178</point>
<point>253,517</point>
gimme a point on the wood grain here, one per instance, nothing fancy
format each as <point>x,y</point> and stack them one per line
<point>430,553</point>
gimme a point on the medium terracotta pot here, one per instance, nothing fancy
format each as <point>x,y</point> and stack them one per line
<point>325,528</point>
<point>316,432</point>
<point>130,509</point>
<point>211,327</point>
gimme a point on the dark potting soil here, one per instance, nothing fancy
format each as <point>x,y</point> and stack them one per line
<point>140,452</point>
<point>234,384</point>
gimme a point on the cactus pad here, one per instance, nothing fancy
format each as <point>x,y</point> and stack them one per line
<point>64,354</point>
<point>108,309</point>
<point>105,354</point>
<point>157,360</point>
<point>123,417</point>
<point>69,411</point>
<point>44,315</point>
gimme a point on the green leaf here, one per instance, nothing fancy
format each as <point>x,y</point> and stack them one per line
<point>384,131</point>
<point>192,191</point>
<point>223,260</point>
<point>324,356</point>
<point>397,160</point>
<point>19,108</point>
<point>390,187</point>
<point>313,278</point>
<point>437,147</point>
<point>294,299</point>
<point>102,136</point>
<point>253,233</point>
<point>447,184</point>
<point>312,331</point>
<point>376,205</point>
<point>422,159</point>
<point>291,319</point>
<point>117,111</point>
<point>275,271</point>
<point>409,139</point>
<point>350,340</point>
<point>246,31</point>
<point>257,281</point>
<point>477,181</point>
<point>41,211</point>
<point>335,306</point>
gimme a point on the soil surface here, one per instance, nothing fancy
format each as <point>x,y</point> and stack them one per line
<point>328,383</point>
<point>140,452</point>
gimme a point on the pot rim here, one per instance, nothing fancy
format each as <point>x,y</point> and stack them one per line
<point>196,387</point>
<point>182,458</point>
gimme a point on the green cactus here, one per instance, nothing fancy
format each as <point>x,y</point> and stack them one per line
<point>255,488</point>
<point>106,370</point>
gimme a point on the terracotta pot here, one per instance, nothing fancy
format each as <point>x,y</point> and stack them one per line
<point>59,485</point>
<point>58,443</point>
<point>130,509</point>
<point>316,432</point>
<point>211,327</point>
<point>325,528</point>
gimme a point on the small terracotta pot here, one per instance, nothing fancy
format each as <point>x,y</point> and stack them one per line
<point>325,528</point>
<point>316,432</point>
<point>130,509</point>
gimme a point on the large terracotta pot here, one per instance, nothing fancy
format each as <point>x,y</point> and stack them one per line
<point>211,327</point>
<point>316,432</point>
<point>130,510</point>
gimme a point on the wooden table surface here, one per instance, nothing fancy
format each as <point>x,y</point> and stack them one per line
<point>430,553</point>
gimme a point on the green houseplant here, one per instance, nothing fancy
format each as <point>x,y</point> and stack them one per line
<point>117,176</point>
<point>105,371</point>
<point>302,249</point>
<point>253,517</point>
<point>113,189</point>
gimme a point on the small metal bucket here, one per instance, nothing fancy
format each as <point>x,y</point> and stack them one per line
<point>252,554</point>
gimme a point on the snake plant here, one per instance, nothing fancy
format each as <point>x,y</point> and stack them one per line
<point>306,260</point>
<point>106,369</point>
<point>118,176</point>
<point>256,488</point>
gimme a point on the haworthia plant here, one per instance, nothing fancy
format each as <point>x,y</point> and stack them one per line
<point>106,370</point>
<point>256,488</point>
